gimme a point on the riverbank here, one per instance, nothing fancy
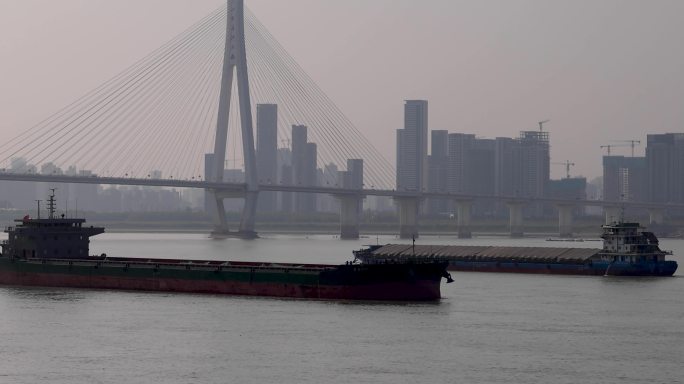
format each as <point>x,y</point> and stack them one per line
<point>328,224</point>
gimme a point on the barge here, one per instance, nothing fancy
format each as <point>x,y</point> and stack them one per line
<point>627,250</point>
<point>54,252</point>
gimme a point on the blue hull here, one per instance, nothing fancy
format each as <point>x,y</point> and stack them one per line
<point>666,268</point>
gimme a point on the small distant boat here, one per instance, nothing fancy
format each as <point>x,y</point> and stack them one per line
<point>628,250</point>
<point>566,240</point>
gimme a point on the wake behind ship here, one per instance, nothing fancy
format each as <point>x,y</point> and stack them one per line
<point>53,252</point>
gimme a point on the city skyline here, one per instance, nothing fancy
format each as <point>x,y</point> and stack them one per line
<point>647,101</point>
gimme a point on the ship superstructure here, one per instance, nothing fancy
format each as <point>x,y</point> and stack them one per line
<point>51,237</point>
<point>628,250</point>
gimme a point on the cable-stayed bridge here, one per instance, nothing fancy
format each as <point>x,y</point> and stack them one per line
<point>193,96</point>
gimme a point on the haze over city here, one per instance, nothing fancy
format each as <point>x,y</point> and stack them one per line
<point>600,71</point>
<point>316,191</point>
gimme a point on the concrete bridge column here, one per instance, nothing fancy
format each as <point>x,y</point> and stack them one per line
<point>248,217</point>
<point>565,219</point>
<point>220,223</point>
<point>656,216</point>
<point>408,216</point>
<point>612,214</point>
<point>515,214</point>
<point>350,207</point>
<point>463,219</point>
<point>246,229</point>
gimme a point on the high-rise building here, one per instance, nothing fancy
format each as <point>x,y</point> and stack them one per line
<point>665,167</point>
<point>328,177</point>
<point>535,169</point>
<point>304,165</point>
<point>624,178</point>
<point>535,163</point>
<point>354,176</point>
<point>412,145</point>
<point>471,167</point>
<point>267,153</point>
<point>285,199</point>
<point>460,146</point>
<point>438,162</point>
<point>506,167</point>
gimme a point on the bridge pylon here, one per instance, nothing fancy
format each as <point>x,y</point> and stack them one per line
<point>235,65</point>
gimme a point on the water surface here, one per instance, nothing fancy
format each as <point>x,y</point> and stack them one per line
<point>489,328</point>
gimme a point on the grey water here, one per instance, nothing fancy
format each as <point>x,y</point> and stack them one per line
<point>488,328</point>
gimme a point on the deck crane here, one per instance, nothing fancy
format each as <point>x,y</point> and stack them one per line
<point>541,124</point>
<point>567,164</point>
<point>632,143</point>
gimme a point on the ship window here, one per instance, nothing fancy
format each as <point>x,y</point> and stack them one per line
<point>56,251</point>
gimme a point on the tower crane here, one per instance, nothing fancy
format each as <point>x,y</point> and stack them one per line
<point>632,143</point>
<point>541,124</point>
<point>567,164</point>
<point>609,146</point>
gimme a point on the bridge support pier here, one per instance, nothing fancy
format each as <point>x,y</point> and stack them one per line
<point>515,216</point>
<point>463,218</point>
<point>350,206</point>
<point>656,216</point>
<point>246,229</point>
<point>612,214</point>
<point>565,220</point>
<point>219,214</point>
<point>408,216</point>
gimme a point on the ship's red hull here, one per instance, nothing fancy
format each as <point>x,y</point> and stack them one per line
<point>288,283</point>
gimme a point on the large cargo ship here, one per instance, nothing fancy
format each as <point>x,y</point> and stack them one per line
<point>54,252</point>
<point>627,251</point>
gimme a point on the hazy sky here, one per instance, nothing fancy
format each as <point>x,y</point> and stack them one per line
<point>600,70</point>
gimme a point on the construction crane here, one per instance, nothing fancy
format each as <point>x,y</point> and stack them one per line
<point>567,164</point>
<point>609,146</point>
<point>541,124</point>
<point>632,143</point>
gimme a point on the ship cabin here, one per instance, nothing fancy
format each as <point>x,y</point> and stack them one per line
<point>54,237</point>
<point>626,242</point>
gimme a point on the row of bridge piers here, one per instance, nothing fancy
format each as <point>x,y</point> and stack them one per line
<point>408,209</point>
<point>409,213</point>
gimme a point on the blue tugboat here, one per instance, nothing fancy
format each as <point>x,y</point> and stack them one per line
<point>630,251</point>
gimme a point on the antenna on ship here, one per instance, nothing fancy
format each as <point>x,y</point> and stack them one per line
<point>38,201</point>
<point>51,204</point>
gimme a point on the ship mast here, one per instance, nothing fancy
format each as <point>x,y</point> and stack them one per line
<point>51,204</point>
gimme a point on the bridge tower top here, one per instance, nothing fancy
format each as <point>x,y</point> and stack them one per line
<point>235,64</point>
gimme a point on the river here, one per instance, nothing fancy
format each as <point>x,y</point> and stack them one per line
<point>488,328</point>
